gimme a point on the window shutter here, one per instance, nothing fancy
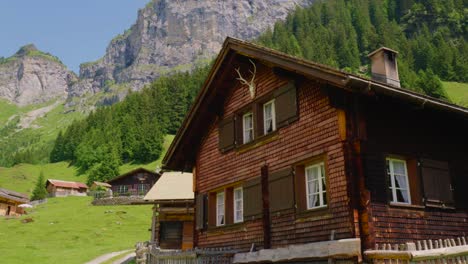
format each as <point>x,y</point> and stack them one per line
<point>253,205</point>
<point>200,211</point>
<point>212,209</point>
<point>229,206</point>
<point>238,123</point>
<point>285,105</point>
<point>301,194</point>
<point>436,182</point>
<point>226,134</point>
<point>281,189</point>
<point>376,177</point>
<point>259,119</point>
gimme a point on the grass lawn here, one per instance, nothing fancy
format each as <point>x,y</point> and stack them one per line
<point>457,92</point>
<point>71,230</point>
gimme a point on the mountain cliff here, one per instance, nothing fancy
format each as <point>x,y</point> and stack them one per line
<point>177,35</point>
<point>32,76</point>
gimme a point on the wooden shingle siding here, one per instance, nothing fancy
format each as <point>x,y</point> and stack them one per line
<point>314,133</point>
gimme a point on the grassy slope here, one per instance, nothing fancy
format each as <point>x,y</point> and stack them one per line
<point>457,92</point>
<point>22,177</point>
<point>70,230</point>
<point>7,110</point>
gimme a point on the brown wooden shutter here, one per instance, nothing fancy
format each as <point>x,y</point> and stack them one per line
<point>300,188</point>
<point>239,137</point>
<point>414,182</point>
<point>229,206</point>
<point>436,182</point>
<point>281,190</point>
<point>212,209</point>
<point>376,177</point>
<point>286,109</point>
<point>201,211</point>
<point>252,191</point>
<point>258,115</point>
<point>459,172</point>
<point>226,134</point>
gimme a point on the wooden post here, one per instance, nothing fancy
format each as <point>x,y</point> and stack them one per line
<point>266,208</point>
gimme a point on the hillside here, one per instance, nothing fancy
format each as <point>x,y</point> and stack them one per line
<point>71,230</point>
<point>22,177</point>
<point>457,92</point>
<point>27,132</point>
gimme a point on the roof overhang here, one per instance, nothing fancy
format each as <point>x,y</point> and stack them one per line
<point>181,154</point>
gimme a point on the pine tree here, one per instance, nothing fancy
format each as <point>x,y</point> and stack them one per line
<point>40,191</point>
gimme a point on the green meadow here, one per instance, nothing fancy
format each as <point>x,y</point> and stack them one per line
<point>71,230</point>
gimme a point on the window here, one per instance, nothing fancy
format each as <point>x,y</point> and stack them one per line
<point>238,205</point>
<point>220,209</point>
<point>141,188</point>
<point>269,118</point>
<point>316,186</point>
<point>123,189</point>
<point>398,176</point>
<point>248,127</point>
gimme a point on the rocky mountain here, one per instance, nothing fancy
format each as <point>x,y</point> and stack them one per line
<point>31,76</point>
<point>176,35</point>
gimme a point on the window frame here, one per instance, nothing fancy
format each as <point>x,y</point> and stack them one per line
<point>218,204</point>
<point>322,191</point>
<point>235,209</point>
<point>273,117</point>
<point>392,186</point>
<point>244,140</point>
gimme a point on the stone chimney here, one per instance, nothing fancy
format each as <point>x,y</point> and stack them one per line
<point>384,66</point>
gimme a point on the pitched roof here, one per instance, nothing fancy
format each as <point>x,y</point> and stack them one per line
<point>172,186</point>
<point>67,184</point>
<point>181,153</point>
<point>15,196</point>
<point>133,172</point>
<point>103,184</point>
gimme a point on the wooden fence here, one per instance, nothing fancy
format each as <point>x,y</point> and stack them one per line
<point>194,256</point>
<point>443,251</point>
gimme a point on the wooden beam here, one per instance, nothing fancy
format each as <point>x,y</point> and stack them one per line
<point>337,249</point>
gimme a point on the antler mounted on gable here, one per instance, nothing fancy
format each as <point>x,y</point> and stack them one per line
<point>251,83</point>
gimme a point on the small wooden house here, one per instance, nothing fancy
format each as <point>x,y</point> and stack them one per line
<point>9,202</point>
<point>309,162</point>
<point>134,183</point>
<point>173,213</point>
<point>59,188</point>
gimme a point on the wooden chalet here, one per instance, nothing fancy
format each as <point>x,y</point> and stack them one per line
<point>134,183</point>
<point>9,202</point>
<point>173,213</point>
<point>59,188</point>
<point>309,162</point>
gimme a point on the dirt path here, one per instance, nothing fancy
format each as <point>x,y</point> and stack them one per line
<point>108,256</point>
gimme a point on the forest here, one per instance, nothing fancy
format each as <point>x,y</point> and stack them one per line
<point>430,37</point>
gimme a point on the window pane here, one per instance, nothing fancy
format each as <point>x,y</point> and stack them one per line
<point>314,200</point>
<point>400,182</point>
<point>402,196</point>
<point>399,167</point>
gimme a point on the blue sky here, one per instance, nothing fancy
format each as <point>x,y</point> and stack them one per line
<point>76,31</point>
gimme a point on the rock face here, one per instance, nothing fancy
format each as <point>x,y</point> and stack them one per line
<point>178,34</point>
<point>31,76</point>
